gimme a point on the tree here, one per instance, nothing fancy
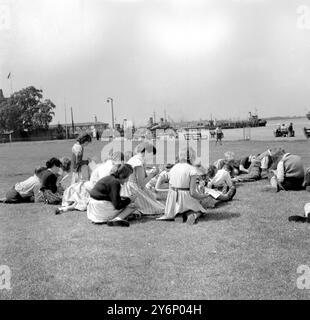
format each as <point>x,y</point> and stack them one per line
<point>9,116</point>
<point>60,132</point>
<point>26,110</point>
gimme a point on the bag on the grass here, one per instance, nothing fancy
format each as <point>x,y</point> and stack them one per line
<point>52,198</point>
<point>48,197</point>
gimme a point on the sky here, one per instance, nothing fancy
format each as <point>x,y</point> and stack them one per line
<point>193,58</point>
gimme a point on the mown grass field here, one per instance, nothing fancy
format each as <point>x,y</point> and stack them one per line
<point>244,250</point>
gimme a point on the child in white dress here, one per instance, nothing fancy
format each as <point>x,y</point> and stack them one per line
<point>183,196</point>
<point>145,201</point>
<point>76,196</point>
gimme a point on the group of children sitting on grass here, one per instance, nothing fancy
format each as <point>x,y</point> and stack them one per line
<point>121,188</point>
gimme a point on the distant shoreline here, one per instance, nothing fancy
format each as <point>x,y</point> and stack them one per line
<point>283,118</point>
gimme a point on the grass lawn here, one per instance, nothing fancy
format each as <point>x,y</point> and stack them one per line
<point>244,250</point>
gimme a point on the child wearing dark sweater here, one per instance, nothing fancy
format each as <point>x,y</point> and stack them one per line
<point>106,204</point>
<point>49,189</point>
<point>108,189</point>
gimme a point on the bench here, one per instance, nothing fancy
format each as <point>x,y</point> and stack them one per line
<point>193,136</point>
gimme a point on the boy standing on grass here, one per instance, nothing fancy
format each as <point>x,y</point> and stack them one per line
<point>77,156</point>
<point>219,135</point>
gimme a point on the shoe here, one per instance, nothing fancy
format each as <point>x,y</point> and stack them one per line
<point>3,200</point>
<point>163,218</point>
<point>118,223</point>
<point>58,211</point>
<point>191,219</point>
<point>298,219</point>
<point>98,223</point>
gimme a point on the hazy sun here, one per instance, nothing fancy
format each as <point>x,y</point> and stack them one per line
<point>190,37</point>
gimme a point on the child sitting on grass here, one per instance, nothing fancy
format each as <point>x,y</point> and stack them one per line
<point>65,175</point>
<point>76,196</point>
<point>160,183</point>
<point>220,179</point>
<point>50,192</point>
<point>26,191</point>
<point>231,160</point>
<point>218,185</point>
<point>289,175</point>
<point>106,204</point>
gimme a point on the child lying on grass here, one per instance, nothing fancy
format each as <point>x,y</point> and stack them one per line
<point>254,172</point>
<point>25,191</point>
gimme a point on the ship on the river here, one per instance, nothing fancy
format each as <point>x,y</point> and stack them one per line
<point>252,121</point>
<point>164,127</point>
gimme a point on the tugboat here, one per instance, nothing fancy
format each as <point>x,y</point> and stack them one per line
<point>163,128</point>
<point>254,121</point>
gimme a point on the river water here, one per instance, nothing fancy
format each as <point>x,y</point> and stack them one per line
<point>266,133</point>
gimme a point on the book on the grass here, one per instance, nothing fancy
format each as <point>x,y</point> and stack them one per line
<point>213,193</point>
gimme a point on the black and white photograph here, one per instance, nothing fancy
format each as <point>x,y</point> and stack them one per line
<point>154,150</point>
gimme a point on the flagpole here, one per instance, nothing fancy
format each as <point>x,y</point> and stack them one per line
<point>11,84</point>
<point>72,121</point>
<point>11,81</point>
<point>66,119</point>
